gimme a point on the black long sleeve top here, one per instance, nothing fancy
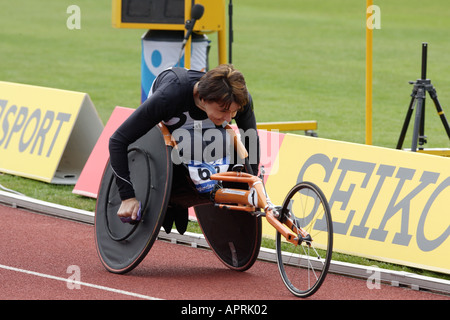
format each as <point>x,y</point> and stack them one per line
<point>168,104</point>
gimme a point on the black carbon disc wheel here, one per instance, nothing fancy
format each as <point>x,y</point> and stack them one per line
<point>122,246</point>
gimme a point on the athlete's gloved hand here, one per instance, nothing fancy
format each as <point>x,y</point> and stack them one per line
<point>129,210</point>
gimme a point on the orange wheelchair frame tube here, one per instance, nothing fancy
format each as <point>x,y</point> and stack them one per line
<point>252,199</point>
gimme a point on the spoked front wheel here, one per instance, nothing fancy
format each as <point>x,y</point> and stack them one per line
<point>304,266</point>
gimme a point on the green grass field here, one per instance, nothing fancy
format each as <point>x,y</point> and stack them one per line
<point>303,60</point>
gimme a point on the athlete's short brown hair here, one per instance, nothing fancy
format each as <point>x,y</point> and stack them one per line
<point>223,85</point>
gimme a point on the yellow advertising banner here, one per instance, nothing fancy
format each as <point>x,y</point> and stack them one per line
<point>46,134</point>
<point>386,204</point>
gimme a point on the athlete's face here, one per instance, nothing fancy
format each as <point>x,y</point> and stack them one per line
<point>217,114</point>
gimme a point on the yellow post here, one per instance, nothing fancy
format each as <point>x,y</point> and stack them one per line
<point>369,41</point>
<point>187,47</point>
<point>222,46</point>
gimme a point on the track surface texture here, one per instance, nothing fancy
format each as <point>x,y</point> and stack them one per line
<point>42,256</point>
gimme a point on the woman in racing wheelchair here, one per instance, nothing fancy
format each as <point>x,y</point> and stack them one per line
<point>188,100</point>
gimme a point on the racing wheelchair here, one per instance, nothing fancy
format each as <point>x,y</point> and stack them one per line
<point>230,216</point>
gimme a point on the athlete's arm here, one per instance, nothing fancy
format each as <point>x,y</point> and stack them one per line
<point>160,106</point>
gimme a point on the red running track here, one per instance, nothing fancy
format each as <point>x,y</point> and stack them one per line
<point>36,252</point>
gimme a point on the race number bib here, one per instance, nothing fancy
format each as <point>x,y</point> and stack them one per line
<point>200,173</point>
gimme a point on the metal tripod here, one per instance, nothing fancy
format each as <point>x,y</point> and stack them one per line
<point>421,87</point>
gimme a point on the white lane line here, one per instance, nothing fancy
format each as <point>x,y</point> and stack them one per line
<point>73,282</point>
